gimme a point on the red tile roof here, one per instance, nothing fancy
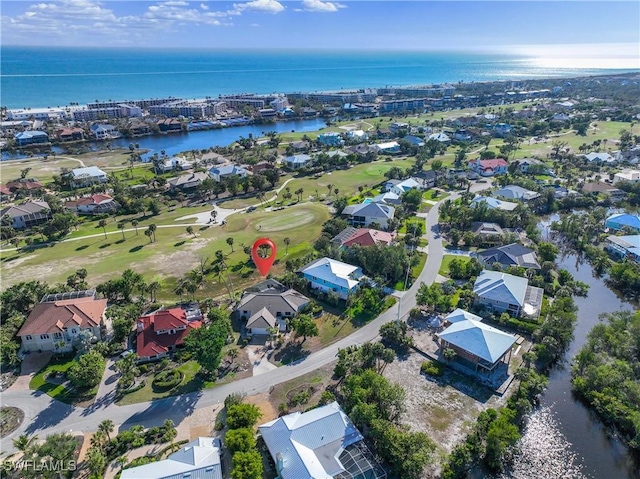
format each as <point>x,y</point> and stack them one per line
<point>149,343</point>
<point>89,200</point>
<point>493,164</point>
<point>54,316</point>
<point>369,237</point>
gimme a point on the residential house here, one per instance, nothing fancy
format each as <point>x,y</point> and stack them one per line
<point>356,135</point>
<point>55,322</point>
<point>31,137</point>
<point>515,192</point>
<point>489,233</point>
<point>632,176</point>
<point>396,126</point>
<point>462,135</point>
<point>170,125</point>
<point>605,188</point>
<point>329,275</point>
<point>300,145</point>
<point>414,140</point>
<point>321,443</point>
<point>28,184</point>
<point>104,131</point>
<point>389,148</point>
<point>93,205</point>
<point>270,307</point>
<point>341,155</point>
<point>27,215</point>
<point>403,186</point>
<point>476,344</point>
<point>162,331</point>
<point>364,214</point>
<point>198,459</point>
<point>363,149</point>
<point>440,137</point>
<point>387,198</point>
<point>624,247</point>
<point>179,163</point>
<point>502,129</point>
<point>599,157</point>
<point>526,163</point>
<point>427,178</point>
<point>221,172</point>
<point>297,161</point>
<point>513,254</point>
<point>70,134</point>
<point>187,181</point>
<point>267,113</point>
<point>496,166</point>
<point>331,138</point>
<point>502,292</point>
<point>87,176</point>
<point>369,237</point>
<point>620,221</point>
<point>493,203</point>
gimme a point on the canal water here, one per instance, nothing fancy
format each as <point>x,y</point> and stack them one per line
<point>176,143</point>
<point>564,439</point>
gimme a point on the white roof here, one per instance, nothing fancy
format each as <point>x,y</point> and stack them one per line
<point>515,192</point>
<point>440,137</point>
<point>89,171</point>
<point>494,203</point>
<point>502,287</point>
<point>389,196</point>
<point>334,272</point>
<point>387,145</point>
<point>601,156</point>
<point>201,454</point>
<point>407,184</point>
<point>479,339</point>
<point>310,443</point>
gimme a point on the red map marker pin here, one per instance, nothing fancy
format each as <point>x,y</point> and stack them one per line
<point>263,264</point>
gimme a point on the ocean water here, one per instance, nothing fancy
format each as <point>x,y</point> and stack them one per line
<point>40,76</point>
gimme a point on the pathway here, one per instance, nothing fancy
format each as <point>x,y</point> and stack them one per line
<point>43,415</point>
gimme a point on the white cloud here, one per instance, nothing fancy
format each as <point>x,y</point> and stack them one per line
<point>204,7</point>
<point>267,6</point>
<point>320,6</point>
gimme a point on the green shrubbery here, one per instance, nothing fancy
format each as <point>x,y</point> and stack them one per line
<point>432,368</point>
<point>167,379</point>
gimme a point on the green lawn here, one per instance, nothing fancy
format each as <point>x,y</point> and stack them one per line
<point>408,225</point>
<point>435,195</point>
<point>59,391</point>
<point>174,253</point>
<point>415,271</point>
<point>446,261</point>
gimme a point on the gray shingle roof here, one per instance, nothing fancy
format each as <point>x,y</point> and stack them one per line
<point>274,301</point>
<point>513,254</point>
<point>370,210</point>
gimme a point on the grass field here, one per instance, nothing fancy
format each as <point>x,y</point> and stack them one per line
<point>58,391</point>
<point>446,261</point>
<point>174,253</point>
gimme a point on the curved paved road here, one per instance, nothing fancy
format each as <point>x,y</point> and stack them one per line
<point>43,415</point>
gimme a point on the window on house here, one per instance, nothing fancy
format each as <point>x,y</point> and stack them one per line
<point>44,336</point>
<point>57,335</point>
<point>28,337</point>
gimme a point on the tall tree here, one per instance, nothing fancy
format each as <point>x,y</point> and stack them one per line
<point>103,224</point>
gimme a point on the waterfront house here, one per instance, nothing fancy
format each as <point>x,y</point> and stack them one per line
<point>390,148</point>
<point>297,161</point>
<point>495,166</point>
<point>598,187</point>
<point>621,221</point>
<point>501,292</point>
<point>329,275</point>
<point>624,247</point>
<point>170,125</point>
<point>163,330</point>
<point>515,192</point>
<point>198,459</point>
<point>270,307</point>
<point>221,172</point>
<point>476,344</point>
<point>187,181</point>
<point>513,254</point>
<point>70,134</point>
<point>179,163</point>
<point>31,137</point>
<point>55,322</point>
<point>493,203</point>
<point>321,443</point>
<point>28,214</point>
<point>93,205</point>
<point>87,176</point>
<point>104,131</point>
<point>365,214</point>
<point>489,233</point>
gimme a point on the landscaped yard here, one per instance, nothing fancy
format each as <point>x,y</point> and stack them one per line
<point>446,261</point>
<point>58,387</point>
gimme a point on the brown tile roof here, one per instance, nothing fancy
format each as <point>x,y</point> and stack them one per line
<point>54,316</point>
<point>150,344</point>
<point>369,237</point>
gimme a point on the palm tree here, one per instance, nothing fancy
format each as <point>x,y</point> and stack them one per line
<point>214,215</point>
<point>25,443</point>
<point>152,289</point>
<point>134,223</point>
<point>153,228</point>
<point>230,242</point>
<point>232,352</point>
<point>286,241</point>
<point>336,191</point>
<point>149,234</point>
<point>329,187</point>
<point>99,439</point>
<point>107,427</point>
<point>103,224</point>
<point>121,226</point>
<point>190,231</point>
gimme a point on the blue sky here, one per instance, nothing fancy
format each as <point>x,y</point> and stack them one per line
<point>414,25</point>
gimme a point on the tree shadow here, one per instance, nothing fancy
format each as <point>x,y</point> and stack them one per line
<point>179,243</point>
<point>135,249</point>
<point>203,228</point>
<point>80,248</point>
<point>120,241</point>
<point>106,245</point>
<point>48,417</point>
<point>290,353</point>
<point>175,408</point>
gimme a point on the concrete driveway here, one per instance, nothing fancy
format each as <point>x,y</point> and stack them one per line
<point>31,364</point>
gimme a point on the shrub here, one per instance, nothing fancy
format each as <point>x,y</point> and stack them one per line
<point>167,379</point>
<point>232,399</point>
<point>242,415</point>
<point>432,368</point>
